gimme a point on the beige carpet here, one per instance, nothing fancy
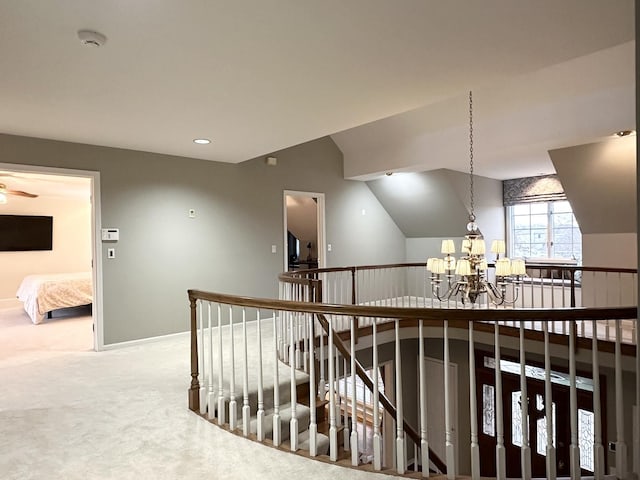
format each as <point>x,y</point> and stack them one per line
<point>68,413</point>
<point>70,330</point>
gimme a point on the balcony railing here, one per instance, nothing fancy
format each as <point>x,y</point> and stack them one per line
<point>292,373</point>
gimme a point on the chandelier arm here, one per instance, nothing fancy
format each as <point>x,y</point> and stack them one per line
<point>496,297</point>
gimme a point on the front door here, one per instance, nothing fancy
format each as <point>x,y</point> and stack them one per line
<point>513,431</point>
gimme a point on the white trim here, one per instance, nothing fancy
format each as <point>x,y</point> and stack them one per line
<point>321,226</point>
<point>159,338</point>
<point>143,341</point>
<point>96,251</point>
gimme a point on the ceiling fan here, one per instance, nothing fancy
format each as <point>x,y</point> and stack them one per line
<point>4,191</point>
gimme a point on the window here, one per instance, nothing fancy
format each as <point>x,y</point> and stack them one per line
<point>544,230</point>
<point>488,410</point>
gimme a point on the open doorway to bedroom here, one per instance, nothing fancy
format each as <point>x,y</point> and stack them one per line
<point>304,230</point>
<point>48,276</point>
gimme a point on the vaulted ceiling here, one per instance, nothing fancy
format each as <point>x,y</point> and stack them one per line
<point>387,79</point>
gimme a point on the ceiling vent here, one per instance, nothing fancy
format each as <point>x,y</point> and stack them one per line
<point>91,38</point>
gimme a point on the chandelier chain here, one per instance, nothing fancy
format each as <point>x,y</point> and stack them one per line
<point>471,154</point>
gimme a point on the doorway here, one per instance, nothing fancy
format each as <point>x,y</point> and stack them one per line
<point>304,230</point>
<point>71,197</point>
<point>512,413</point>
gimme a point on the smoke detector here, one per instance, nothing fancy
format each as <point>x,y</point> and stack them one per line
<point>91,38</point>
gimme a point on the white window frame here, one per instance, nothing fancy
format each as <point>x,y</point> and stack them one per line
<point>549,243</point>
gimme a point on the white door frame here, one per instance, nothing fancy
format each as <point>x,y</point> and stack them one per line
<point>96,225</point>
<point>320,225</point>
<point>438,364</point>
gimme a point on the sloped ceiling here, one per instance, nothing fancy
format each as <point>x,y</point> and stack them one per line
<point>600,182</point>
<point>436,203</point>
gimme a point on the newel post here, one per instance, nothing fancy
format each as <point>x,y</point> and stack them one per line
<point>194,389</point>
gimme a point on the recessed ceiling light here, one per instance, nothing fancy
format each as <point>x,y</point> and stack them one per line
<point>624,133</point>
<point>202,141</point>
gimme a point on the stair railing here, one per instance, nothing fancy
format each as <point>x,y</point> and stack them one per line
<point>216,317</point>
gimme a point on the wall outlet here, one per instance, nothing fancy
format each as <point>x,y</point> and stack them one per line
<point>274,248</point>
<point>328,247</point>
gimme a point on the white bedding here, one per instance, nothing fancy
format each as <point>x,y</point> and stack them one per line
<point>44,293</point>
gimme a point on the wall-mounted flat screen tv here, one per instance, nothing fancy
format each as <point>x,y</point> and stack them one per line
<point>22,233</point>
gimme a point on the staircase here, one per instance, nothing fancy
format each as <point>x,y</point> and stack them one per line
<point>251,395</point>
<point>254,379</point>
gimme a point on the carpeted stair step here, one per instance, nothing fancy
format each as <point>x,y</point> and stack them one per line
<point>302,414</point>
<point>322,442</point>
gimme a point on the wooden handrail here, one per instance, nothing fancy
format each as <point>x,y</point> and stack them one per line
<point>285,276</point>
<point>519,314</point>
<point>384,400</point>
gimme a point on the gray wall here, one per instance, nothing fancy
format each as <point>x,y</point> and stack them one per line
<point>437,203</point>
<point>227,247</point>
<point>431,206</point>
<point>599,180</point>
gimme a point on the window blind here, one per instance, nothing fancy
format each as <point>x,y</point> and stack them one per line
<point>532,189</point>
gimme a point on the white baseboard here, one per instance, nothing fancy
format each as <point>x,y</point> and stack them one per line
<point>142,341</point>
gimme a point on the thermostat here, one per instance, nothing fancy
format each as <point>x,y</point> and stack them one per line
<point>110,234</point>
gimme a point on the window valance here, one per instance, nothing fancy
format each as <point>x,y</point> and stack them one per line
<point>532,189</point>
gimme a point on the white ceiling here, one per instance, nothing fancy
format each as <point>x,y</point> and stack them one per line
<point>46,185</point>
<point>257,76</point>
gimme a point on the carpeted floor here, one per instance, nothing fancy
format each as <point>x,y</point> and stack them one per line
<point>67,412</point>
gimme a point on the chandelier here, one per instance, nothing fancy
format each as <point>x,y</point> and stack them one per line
<point>466,279</point>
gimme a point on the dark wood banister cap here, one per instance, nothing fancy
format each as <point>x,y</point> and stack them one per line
<point>477,314</point>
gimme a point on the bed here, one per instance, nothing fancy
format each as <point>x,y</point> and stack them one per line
<point>42,294</point>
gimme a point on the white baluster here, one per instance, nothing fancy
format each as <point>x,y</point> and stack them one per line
<point>473,413</point>
<point>322,384</point>
<point>293,423</point>
<point>377,439</point>
<point>211,397</point>
<point>282,296</point>
<point>364,418</point>
<point>246,409</point>
<point>501,466</point>
<point>341,397</point>
<point>354,402</point>
<point>598,449</point>
<point>233,404</point>
<point>524,403</point>
<point>296,327</point>
<point>574,449</point>
<point>221,401</point>
<point>401,451</point>
<point>424,442</point>
<point>548,402</point>
<point>621,446</point>
<point>277,428</point>
<point>313,426</point>
<point>345,411</point>
<point>305,334</point>
<point>333,433</point>
<point>450,453</point>
<point>201,366</point>
<point>260,413</point>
